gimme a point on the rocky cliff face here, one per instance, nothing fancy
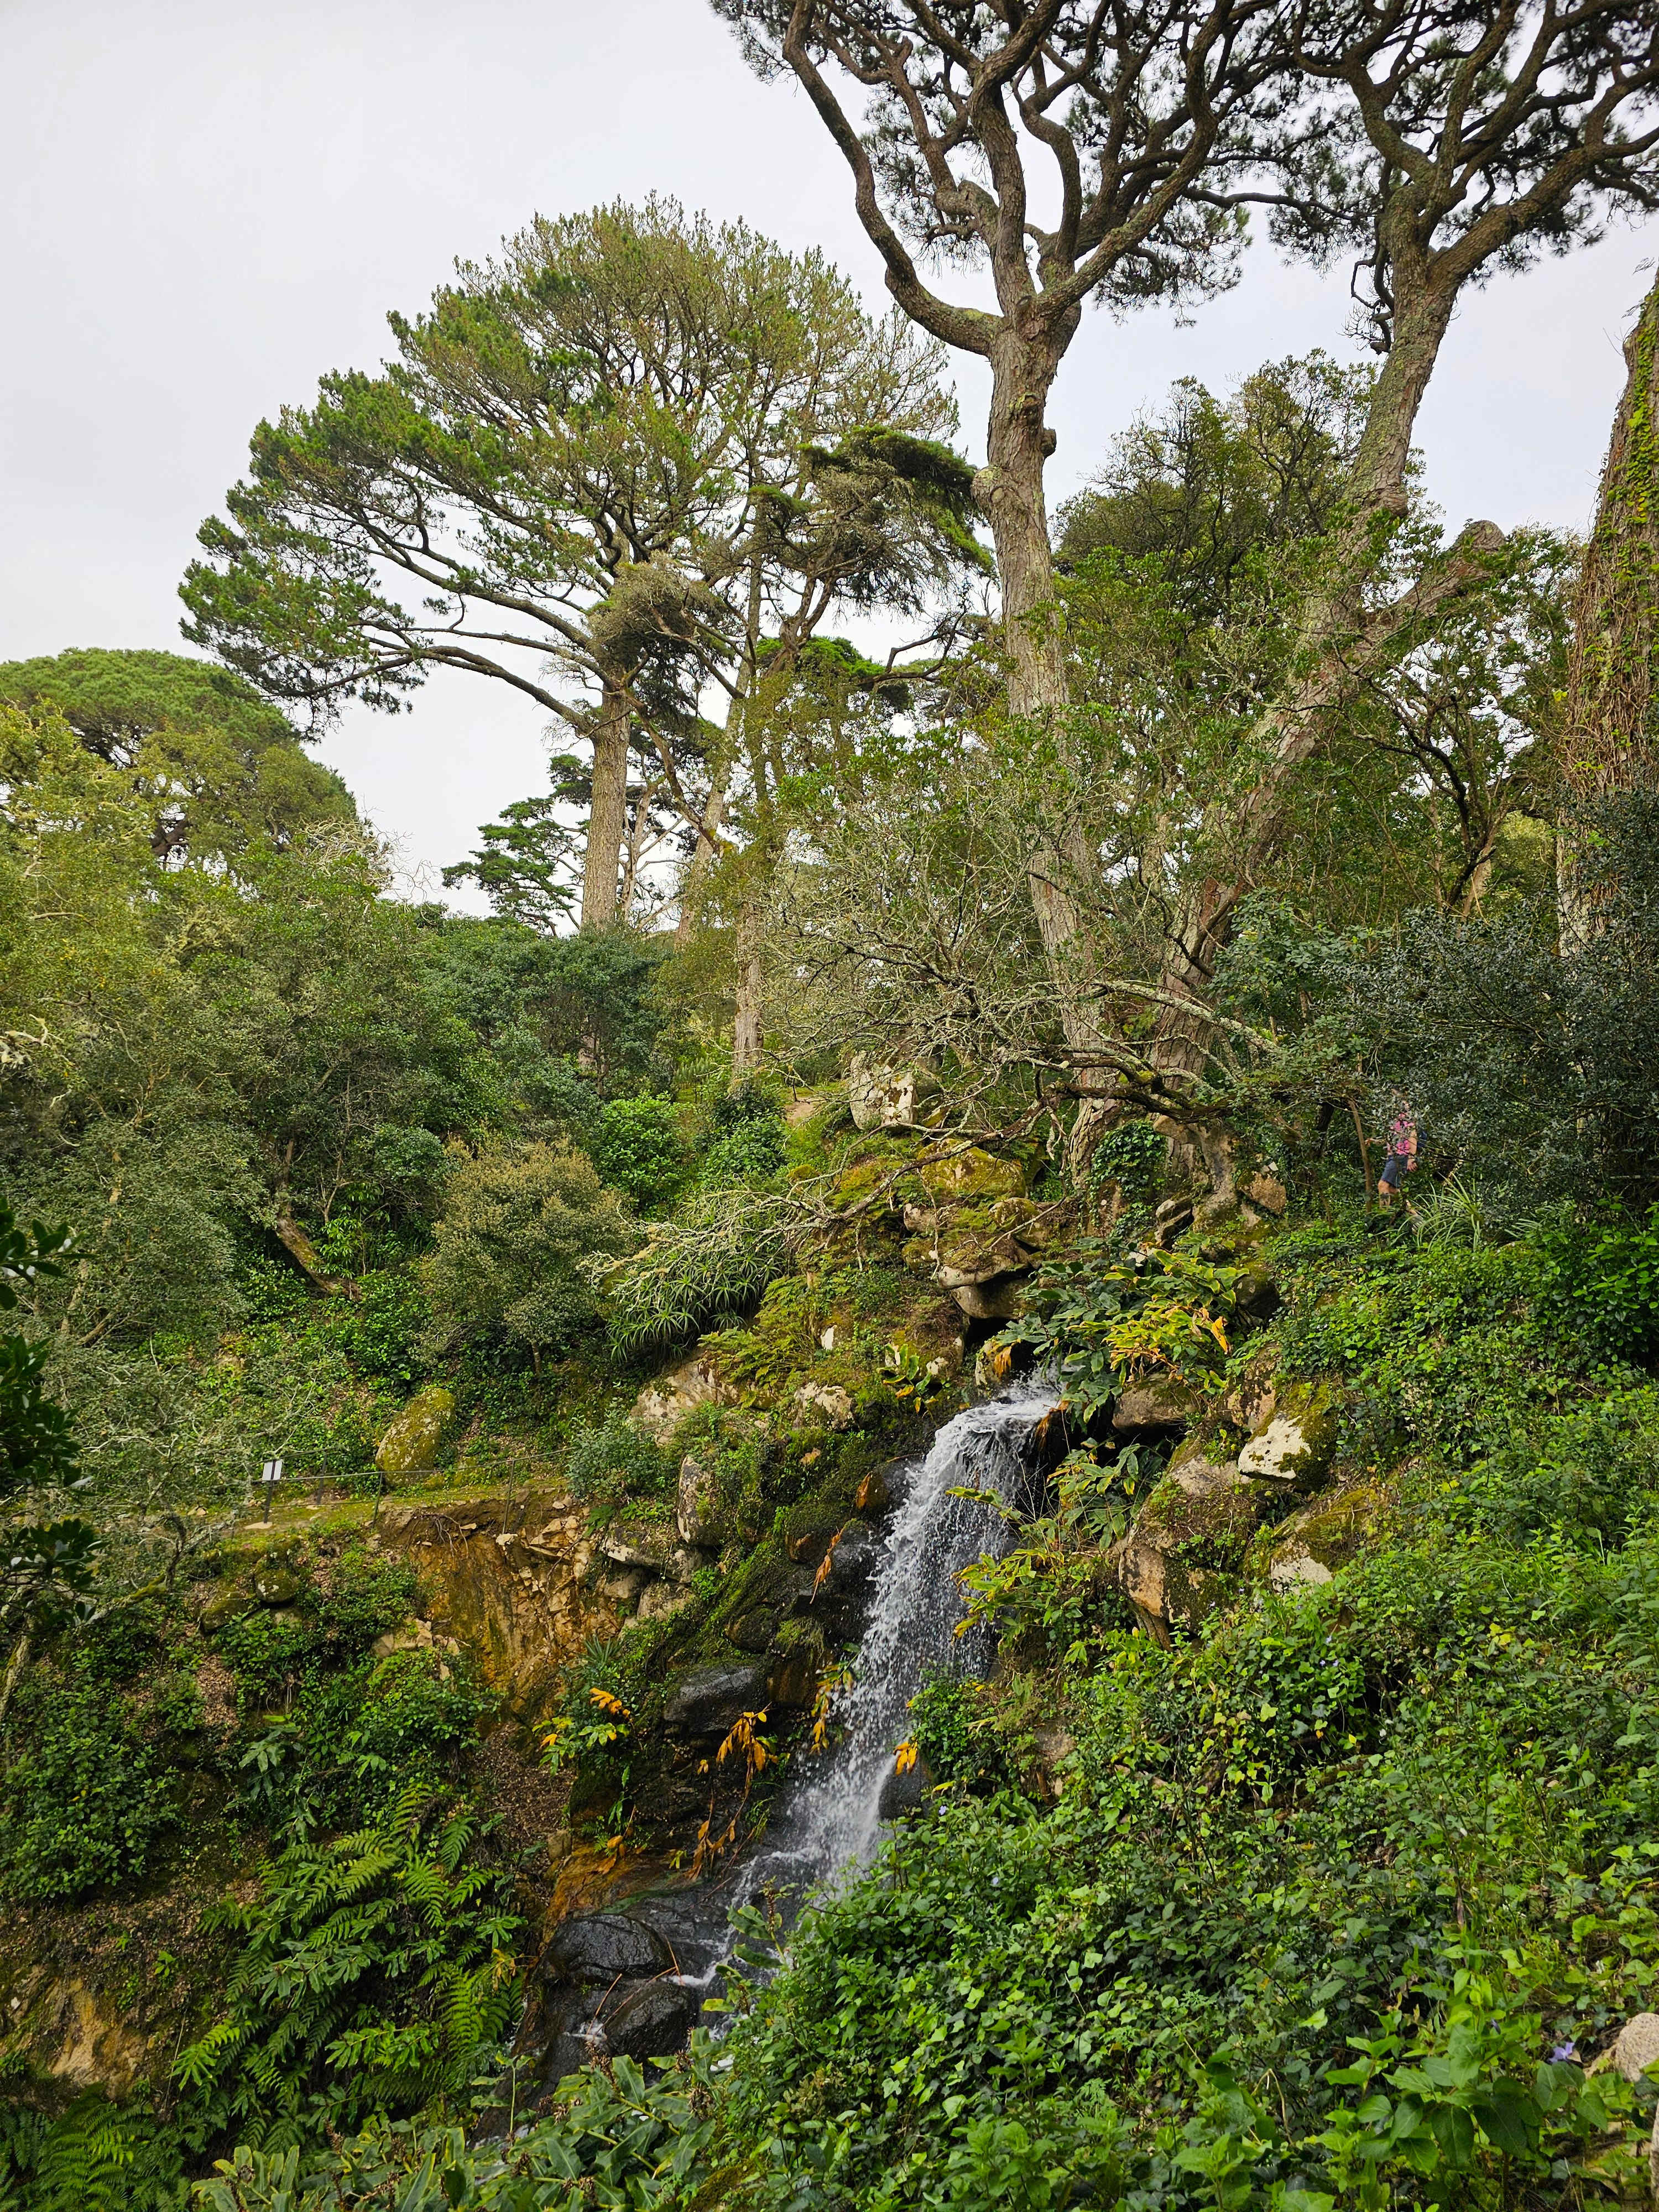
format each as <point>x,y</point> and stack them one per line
<point>516,1582</point>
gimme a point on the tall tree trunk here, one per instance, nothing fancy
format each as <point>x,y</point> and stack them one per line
<point>1611,673</point>
<point>746,1035</point>
<point>607,820</point>
<point>702,858</point>
<point>1010,489</point>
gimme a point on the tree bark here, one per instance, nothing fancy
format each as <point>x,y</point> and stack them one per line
<point>607,819</point>
<point>746,1035</point>
<point>1611,672</point>
<point>1010,489</point>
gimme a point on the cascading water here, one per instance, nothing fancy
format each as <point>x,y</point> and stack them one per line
<point>829,1818</point>
<point>830,1821</point>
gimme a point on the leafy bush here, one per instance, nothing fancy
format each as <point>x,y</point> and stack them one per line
<point>1132,1155</point>
<point>1102,1319</point>
<point>384,1324</point>
<point>1600,1281</point>
<point>85,1797</point>
<point>613,1459</point>
<point>353,1738</point>
<point>956,1735</point>
<point>752,1152</point>
<point>329,1623</point>
<point>518,1223</point>
<point>93,2156</point>
<point>637,1149</point>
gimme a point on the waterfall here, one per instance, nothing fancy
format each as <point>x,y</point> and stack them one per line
<point>829,1819</point>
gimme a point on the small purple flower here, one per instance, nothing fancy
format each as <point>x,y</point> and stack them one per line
<point>1563,2052</point>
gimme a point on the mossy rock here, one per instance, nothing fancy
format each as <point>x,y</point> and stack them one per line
<point>410,1445</point>
<point>1294,1441</point>
<point>1212,1529</point>
<point>971,1174</point>
<point>1329,1533</point>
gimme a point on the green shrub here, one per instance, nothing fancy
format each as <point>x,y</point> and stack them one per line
<point>352,1738</point>
<point>721,1254</point>
<point>612,1458</point>
<point>85,1797</point>
<point>372,1972</point>
<point>753,1152</point>
<point>520,1224</point>
<point>383,1327</point>
<point>637,1149</point>
<point>93,2156</point>
<point>1601,1281</point>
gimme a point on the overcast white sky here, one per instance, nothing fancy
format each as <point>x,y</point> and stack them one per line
<point>214,201</point>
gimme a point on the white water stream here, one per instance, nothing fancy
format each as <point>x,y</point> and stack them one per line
<point>829,1819</point>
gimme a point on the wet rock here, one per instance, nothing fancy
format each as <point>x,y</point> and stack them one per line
<point>698,1515</point>
<point>662,1404</point>
<point>873,1494</point>
<point>1050,1440</point>
<point>997,1365</point>
<point>410,1445</point>
<point>602,1947</point>
<point>854,1560</point>
<point>1153,1409</point>
<point>828,1401</point>
<point>706,1703</point>
<point>1293,1446</point>
<point>647,2019</point>
<point>752,1631</point>
<point>901,1794</point>
<point>807,1542</point>
<point>793,1681</point>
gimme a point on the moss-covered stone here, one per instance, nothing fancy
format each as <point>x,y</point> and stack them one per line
<point>1294,1441</point>
<point>410,1445</point>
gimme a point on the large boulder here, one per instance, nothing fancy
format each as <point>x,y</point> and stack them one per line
<point>1323,1536</point>
<point>1294,1441</point>
<point>706,1703</point>
<point>907,1792</point>
<point>410,1445</point>
<point>886,1097</point>
<point>601,1948</point>
<point>647,2019</point>
<point>1180,1558</point>
<point>1155,1407</point>
<point>663,1404</point>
